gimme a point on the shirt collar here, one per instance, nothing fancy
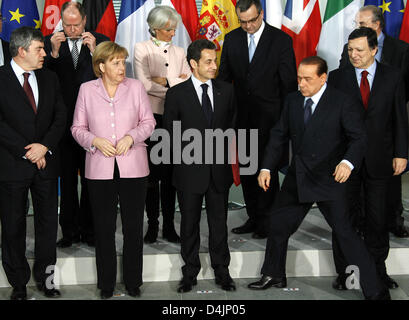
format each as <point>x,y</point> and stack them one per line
<point>197,83</point>
<point>316,97</point>
<point>19,71</point>
<point>159,43</point>
<point>371,69</point>
<point>381,39</point>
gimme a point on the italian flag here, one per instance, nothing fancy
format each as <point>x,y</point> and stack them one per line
<point>337,25</point>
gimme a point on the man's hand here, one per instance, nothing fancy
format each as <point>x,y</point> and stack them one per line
<point>264,179</point>
<point>41,163</point>
<point>105,146</point>
<point>159,80</point>
<point>123,145</point>
<point>35,152</point>
<point>342,172</point>
<point>399,164</point>
<point>56,40</point>
<point>89,40</point>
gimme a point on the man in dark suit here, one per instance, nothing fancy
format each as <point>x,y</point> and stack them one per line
<point>202,104</point>
<point>378,90</point>
<point>393,52</point>
<point>4,47</point>
<point>32,122</point>
<point>69,54</point>
<point>328,140</point>
<point>259,60</point>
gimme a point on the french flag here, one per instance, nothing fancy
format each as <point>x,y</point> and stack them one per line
<point>132,27</point>
<point>186,30</point>
<point>302,21</point>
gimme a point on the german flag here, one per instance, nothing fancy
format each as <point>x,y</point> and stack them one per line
<point>101,17</point>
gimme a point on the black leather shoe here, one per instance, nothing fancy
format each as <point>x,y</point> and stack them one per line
<point>248,227</point>
<point>226,283</point>
<point>134,292</point>
<point>340,282</point>
<point>49,293</point>
<point>19,293</point>
<point>267,282</point>
<point>106,294</point>
<point>383,295</point>
<point>89,241</point>
<point>186,285</point>
<point>151,235</point>
<point>64,243</point>
<point>170,235</point>
<point>259,235</point>
<point>389,282</point>
<point>400,232</point>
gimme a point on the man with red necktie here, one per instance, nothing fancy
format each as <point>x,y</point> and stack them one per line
<point>379,89</point>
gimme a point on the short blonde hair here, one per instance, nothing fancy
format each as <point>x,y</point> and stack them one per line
<point>106,51</point>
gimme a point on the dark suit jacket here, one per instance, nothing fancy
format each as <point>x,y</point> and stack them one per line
<point>20,126</point>
<point>385,119</point>
<point>182,104</point>
<point>395,53</point>
<point>70,78</point>
<point>335,132</point>
<point>261,85</point>
<point>6,51</point>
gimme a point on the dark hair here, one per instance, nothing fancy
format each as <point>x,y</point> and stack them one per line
<point>194,51</point>
<point>244,5</point>
<point>366,32</point>
<point>22,37</point>
<point>376,14</point>
<point>76,4</point>
<point>321,64</point>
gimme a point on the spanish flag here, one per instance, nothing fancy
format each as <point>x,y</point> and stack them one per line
<point>217,18</point>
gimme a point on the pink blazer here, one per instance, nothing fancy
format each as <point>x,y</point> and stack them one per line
<point>152,61</point>
<point>96,115</point>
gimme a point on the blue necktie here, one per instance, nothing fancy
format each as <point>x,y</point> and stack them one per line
<point>252,47</point>
<point>206,104</point>
<point>308,110</point>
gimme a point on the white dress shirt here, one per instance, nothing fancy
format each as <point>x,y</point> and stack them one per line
<point>32,80</point>
<point>257,35</point>
<point>1,54</point>
<point>199,90</point>
<point>371,74</point>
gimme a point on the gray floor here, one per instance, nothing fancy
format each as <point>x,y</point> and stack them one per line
<point>314,233</point>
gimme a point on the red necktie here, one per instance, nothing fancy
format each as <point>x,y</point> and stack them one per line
<point>364,87</point>
<point>29,91</point>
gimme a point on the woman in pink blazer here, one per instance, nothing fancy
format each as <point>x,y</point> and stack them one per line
<point>160,65</point>
<point>112,119</point>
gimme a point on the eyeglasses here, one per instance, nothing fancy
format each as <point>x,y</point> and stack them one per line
<point>251,21</point>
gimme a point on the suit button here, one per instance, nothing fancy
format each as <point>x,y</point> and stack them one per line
<point>111,104</point>
<point>166,64</point>
<point>166,51</point>
<point>112,114</point>
<point>113,136</point>
<point>112,125</point>
<point>313,156</point>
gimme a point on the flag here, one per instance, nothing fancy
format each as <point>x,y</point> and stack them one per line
<point>18,13</point>
<point>404,31</point>
<point>52,16</point>
<point>392,12</point>
<point>217,18</point>
<point>302,21</point>
<point>186,31</point>
<point>337,25</point>
<point>101,17</point>
<point>132,27</point>
<point>273,12</point>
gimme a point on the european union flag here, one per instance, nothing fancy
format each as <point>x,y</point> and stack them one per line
<point>18,13</point>
<point>393,13</point>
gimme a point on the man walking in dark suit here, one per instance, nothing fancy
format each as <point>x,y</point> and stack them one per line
<point>32,122</point>
<point>202,104</point>
<point>378,91</point>
<point>259,60</point>
<point>328,140</point>
<point>4,47</point>
<point>69,54</point>
<point>393,52</point>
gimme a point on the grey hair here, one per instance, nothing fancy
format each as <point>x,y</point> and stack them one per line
<point>376,14</point>
<point>22,37</point>
<point>159,16</point>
